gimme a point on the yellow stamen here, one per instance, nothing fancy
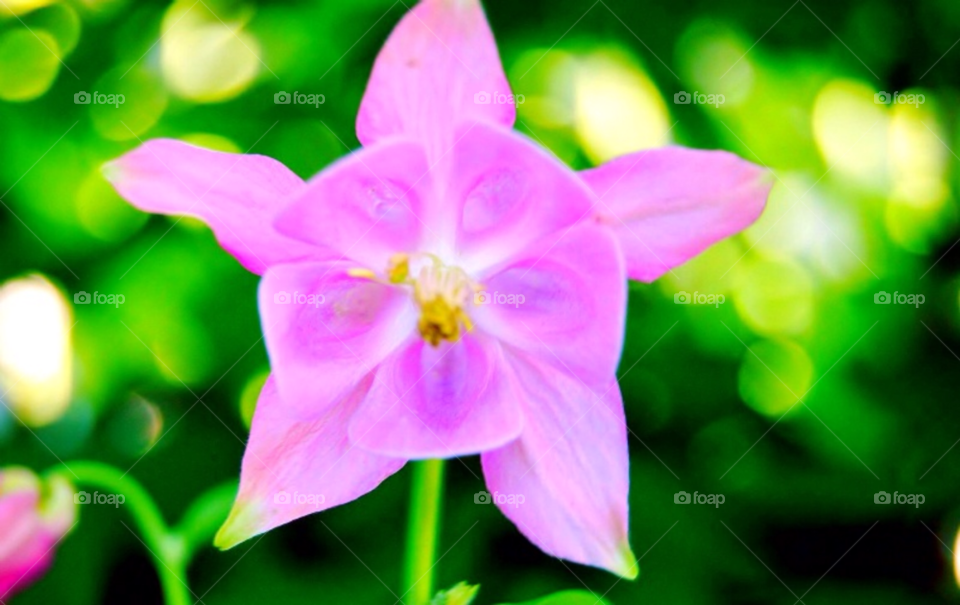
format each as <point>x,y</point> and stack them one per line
<point>398,270</point>
<point>361,273</point>
<point>440,291</point>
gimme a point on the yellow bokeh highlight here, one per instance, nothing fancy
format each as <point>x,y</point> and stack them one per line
<point>850,130</point>
<point>918,166</point>
<point>144,100</point>
<point>547,82</point>
<point>28,64</point>
<point>800,222</point>
<point>215,142</point>
<point>36,369</point>
<point>717,61</point>
<point>894,148</point>
<point>956,558</point>
<point>617,108</point>
<point>103,213</point>
<point>204,57</point>
<point>601,100</point>
<point>774,375</point>
<point>9,8</point>
<point>774,295</point>
<point>60,21</point>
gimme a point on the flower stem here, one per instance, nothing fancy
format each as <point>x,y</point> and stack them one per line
<point>168,549</point>
<point>422,531</point>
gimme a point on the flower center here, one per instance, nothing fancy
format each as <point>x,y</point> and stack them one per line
<point>441,291</point>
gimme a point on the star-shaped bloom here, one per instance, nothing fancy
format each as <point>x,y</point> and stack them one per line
<point>451,288</point>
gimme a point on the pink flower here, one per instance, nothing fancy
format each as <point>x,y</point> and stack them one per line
<point>449,289</point>
<point>34,518</point>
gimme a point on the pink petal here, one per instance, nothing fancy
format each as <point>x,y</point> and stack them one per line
<point>569,297</point>
<point>292,468</point>
<point>439,402</point>
<point>322,347</point>
<point>423,83</point>
<point>21,526</point>
<point>668,205</point>
<point>571,467</point>
<point>30,562</point>
<point>508,193</point>
<point>367,206</point>
<point>237,195</point>
<point>30,527</point>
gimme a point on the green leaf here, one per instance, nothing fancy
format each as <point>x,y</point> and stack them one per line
<point>567,597</point>
<point>461,594</point>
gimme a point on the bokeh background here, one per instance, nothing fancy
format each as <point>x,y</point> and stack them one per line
<point>798,398</point>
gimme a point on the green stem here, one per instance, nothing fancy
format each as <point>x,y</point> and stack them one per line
<point>422,531</point>
<point>168,549</point>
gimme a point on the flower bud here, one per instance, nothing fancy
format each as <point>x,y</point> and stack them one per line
<point>35,514</point>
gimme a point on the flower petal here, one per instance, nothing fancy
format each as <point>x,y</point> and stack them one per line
<point>28,564</point>
<point>563,301</point>
<point>508,193</point>
<point>32,525</point>
<point>431,74</point>
<point>367,206</point>
<point>571,467</point>
<point>439,402</point>
<point>292,468</point>
<point>236,194</point>
<point>326,330</point>
<point>668,205</point>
